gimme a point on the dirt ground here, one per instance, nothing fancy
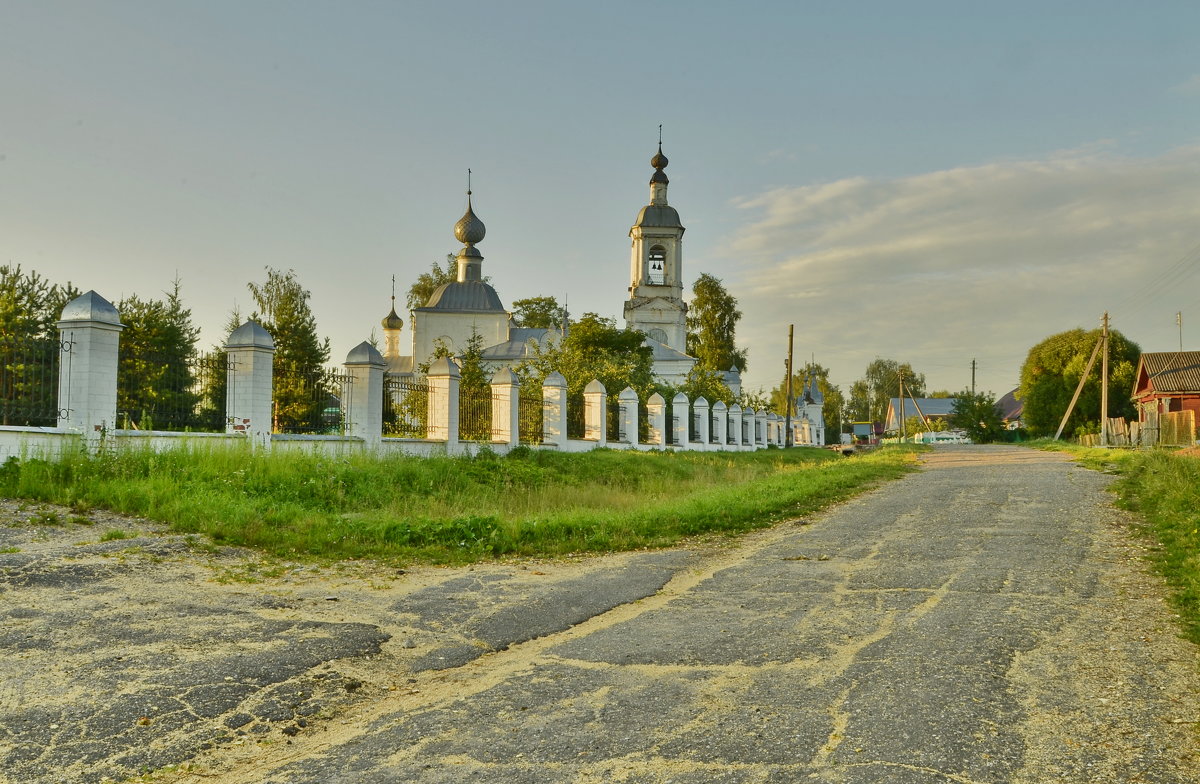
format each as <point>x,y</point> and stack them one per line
<point>988,619</point>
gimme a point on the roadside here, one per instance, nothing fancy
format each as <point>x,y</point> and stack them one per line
<point>988,619</point>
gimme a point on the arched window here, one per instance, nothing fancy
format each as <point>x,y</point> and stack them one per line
<point>657,265</point>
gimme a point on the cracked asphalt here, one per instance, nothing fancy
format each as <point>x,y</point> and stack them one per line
<point>987,619</point>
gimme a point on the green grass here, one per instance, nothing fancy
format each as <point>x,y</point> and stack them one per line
<point>1163,487</point>
<point>531,502</point>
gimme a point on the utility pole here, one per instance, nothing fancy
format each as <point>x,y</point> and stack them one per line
<point>787,406</point>
<point>900,372</point>
<point>972,378</point>
<point>1104,382</point>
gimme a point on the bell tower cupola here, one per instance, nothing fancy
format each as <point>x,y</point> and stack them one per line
<point>655,304</point>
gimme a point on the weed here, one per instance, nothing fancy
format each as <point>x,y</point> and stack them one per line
<point>10,549</point>
<point>113,534</point>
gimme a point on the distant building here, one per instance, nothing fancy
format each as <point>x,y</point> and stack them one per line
<point>1011,410</point>
<point>1167,381</point>
<point>901,410</point>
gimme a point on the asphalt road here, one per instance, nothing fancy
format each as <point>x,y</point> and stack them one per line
<point>988,619</point>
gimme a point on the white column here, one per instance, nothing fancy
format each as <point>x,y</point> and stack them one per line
<point>680,413</point>
<point>628,401</point>
<point>748,428</point>
<point>554,410</point>
<point>362,405</point>
<point>703,416</point>
<point>735,425</point>
<point>656,414</point>
<point>90,334</point>
<point>250,356</point>
<point>595,413</point>
<point>761,419</point>
<point>443,378</point>
<point>720,425</point>
<point>506,401</point>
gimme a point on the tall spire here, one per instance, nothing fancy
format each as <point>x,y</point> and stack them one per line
<point>469,230</point>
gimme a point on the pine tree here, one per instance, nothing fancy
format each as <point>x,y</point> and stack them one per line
<point>155,378</point>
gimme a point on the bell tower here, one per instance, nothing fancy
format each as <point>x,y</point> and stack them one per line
<point>655,305</point>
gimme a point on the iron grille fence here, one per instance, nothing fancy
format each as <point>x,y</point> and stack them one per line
<point>615,430</point>
<point>670,422</point>
<point>530,418</point>
<point>714,427</point>
<point>405,408</point>
<point>575,416</point>
<point>309,402</point>
<point>643,422</point>
<point>171,391</point>
<point>29,380</point>
<point>475,414</point>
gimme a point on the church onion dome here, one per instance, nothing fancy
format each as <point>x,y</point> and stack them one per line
<point>659,162</point>
<point>392,320</point>
<point>469,229</point>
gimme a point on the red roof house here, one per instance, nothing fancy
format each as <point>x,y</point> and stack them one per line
<point>1167,381</point>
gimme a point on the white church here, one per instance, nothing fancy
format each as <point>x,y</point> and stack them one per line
<point>655,305</point>
<point>470,306</point>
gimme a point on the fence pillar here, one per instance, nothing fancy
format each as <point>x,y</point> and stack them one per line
<point>760,419</point>
<point>554,410</point>
<point>362,404</point>
<point>250,353</point>
<point>506,412</point>
<point>735,425</point>
<point>90,335</point>
<point>720,420</point>
<point>442,424</point>
<point>681,411</point>
<point>628,401</point>
<point>595,413</point>
<point>748,429</point>
<point>656,414</point>
<point>702,412</point>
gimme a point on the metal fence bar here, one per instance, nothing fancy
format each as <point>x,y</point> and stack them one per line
<point>474,414</point>
<point>310,403</point>
<point>575,416</point>
<point>29,381</point>
<point>405,409</point>
<point>172,391</point>
<point>530,416</point>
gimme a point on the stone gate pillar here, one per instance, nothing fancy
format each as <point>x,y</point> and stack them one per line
<point>90,336</point>
<point>250,356</point>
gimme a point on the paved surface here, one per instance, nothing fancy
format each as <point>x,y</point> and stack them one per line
<point>985,620</point>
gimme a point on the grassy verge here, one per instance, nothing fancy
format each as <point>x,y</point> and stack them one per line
<point>1164,489</point>
<point>454,509</point>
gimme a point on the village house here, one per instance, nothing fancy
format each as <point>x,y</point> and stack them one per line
<point>1167,381</point>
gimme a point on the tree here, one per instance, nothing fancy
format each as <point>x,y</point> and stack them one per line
<point>977,415</point>
<point>1051,373</point>
<point>155,379</point>
<point>30,306</point>
<point>538,313</point>
<point>869,397</point>
<point>711,323</point>
<point>594,348</point>
<point>302,391</point>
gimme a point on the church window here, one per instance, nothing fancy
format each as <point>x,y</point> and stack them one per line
<point>657,334</point>
<point>657,265</point>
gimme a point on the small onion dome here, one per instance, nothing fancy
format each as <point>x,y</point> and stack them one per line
<point>391,320</point>
<point>469,229</point>
<point>659,161</point>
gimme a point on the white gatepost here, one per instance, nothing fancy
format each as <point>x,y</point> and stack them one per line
<point>554,410</point>
<point>595,413</point>
<point>772,428</point>
<point>362,398</point>
<point>506,412</point>
<point>628,401</point>
<point>250,358</point>
<point>656,415</point>
<point>748,438</point>
<point>703,415</point>
<point>680,420</point>
<point>760,419</point>
<point>735,425</point>
<point>443,379</point>
<point>89,335</point>
<point>720,423</point>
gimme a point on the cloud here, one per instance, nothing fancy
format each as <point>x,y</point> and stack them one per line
<point>1189,86</point>
<point>946,266</point>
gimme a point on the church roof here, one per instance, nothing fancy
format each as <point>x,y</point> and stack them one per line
<point>662,215</point>
<point>465,295</point>
<point>518,345</point>
<point>661,351</point>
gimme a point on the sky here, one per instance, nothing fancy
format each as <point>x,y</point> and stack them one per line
<point>929,182</point>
